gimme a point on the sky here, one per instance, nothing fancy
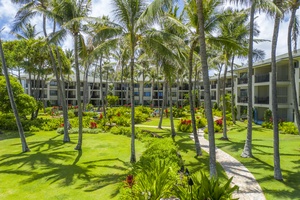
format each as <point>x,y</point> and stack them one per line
<point>104,7</point>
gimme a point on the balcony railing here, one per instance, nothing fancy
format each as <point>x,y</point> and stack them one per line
<point>72,96</point>
<point>157,97</point>
<point>202,87</point>
<point>242,99</point>
<point>242,80</point>
<point>213,97</point>
<point>183,88</point>
<point>282,100</point>
<point>228,85</point>
<point>201,97</point>
<point>262,100</point>
<point>213,86</point>
<point>95,96</point>
<point>262,78</point>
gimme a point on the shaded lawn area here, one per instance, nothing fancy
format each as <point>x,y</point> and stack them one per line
<point>54,170</point>
<point>261,165</point>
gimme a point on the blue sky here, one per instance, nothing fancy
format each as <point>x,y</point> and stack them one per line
<point>103,7</point>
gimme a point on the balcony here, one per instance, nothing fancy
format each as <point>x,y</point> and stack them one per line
<point>158,88</point>
<point>95,96</point>
<point>201,97</point>
<point>184,88</point>
<point>157,97</point>
<point>214,86</point>
<point>242,80</point>
<point>262,100</point>
<point>260,78</point>
<point>242,99</point>
<point>71,96</point>
<point>227,85</point>
<point>202,87</point>
<point>213,97</point>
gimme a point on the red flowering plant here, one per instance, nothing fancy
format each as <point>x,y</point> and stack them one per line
<point>93,125</point>
<point>185,125</point>
<point>219,122</point>
<point>129,181</point>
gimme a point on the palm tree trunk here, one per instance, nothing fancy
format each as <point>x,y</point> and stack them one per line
<point>277,170</point>
<point>132,156</point>
<point>192,108</point>
<point>173,133</point>
<point>247,152</point>
<point>101,88</point>
<point>63,98</point>
<point>162,107</point>
<point>224,137</point>
<point>79,143</point>
<point>25,147</point>
<point>232,92</point>
<point>122,72</point>
<point>208,107</point>
<point>292,69</point>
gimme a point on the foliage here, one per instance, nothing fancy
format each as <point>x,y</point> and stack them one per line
<point>119,130</point>
<point>288,128</point>
<point>75,130</point>
<point>200,187</point>
<point>25,103</point>
<point>156,171</point>
<point>201,122</point>
<point>178,112</point>
<point>185,125</point>
<point>112,100</point>
<point>144,110</point>
<point>267,115</point>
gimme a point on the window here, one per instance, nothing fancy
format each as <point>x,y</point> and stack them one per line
<point>160,94</point>
<point>53,92</point>
<point>53,83</point>
<point>174,94</point>
<point>136,93</point>
<point>136,85</point>
<point>147,94</point>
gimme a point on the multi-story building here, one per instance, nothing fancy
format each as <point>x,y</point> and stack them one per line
<point>148,93</point>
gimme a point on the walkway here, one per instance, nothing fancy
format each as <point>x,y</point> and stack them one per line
<point>249,189</point>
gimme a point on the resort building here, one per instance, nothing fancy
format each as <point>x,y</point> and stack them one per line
<point>152,93</point>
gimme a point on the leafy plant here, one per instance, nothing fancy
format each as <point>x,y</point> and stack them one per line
<point>199,187</point>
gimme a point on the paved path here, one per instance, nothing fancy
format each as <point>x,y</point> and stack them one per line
<point>249,189</point>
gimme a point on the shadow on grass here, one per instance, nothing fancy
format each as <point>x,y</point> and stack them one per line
<point>13,134</point>
<point>49,161</point>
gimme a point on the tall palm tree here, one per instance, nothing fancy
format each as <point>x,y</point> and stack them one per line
<point>25,147</point>
<point>208,106</point>
<point>133,16</point>
<point>71,14</point>
<point>292,35</point>
<point>260,5</point>
<point>277,170</point>
<point>29,10</point>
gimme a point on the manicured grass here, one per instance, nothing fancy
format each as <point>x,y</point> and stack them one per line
<point>54,170</point>
<point>261,165</point>
<point>166,121</point>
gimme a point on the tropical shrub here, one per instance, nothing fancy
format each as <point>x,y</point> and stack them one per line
<point>184,125</point>
<point>178,112</point>
<point>200,187</point>
<point>75,130</point>
<point>201,122</point>
<point>288,128</point>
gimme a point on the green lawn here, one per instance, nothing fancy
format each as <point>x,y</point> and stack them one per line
<point>54,170</point>
<point>261,165</point>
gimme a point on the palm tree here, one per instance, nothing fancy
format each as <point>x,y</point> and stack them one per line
<point>262,5</point>
<point>277,170</point>
<point>133,16</point>
<point>29,10</point>
<point>25,147</point>
<point>292,35</point>
<point>208,107</point>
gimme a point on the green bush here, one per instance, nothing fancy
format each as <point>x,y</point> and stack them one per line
<point>178,112</point>
<point>185,125</point>
<point>288,128</point>
<point>268,115</point>
<point>204,188</point>
<point>71,114</point>
<point>217,129</point>
<point>119,130</point>
<point>201,122</point>
<point>75,130</point>
<point>267,124</point>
